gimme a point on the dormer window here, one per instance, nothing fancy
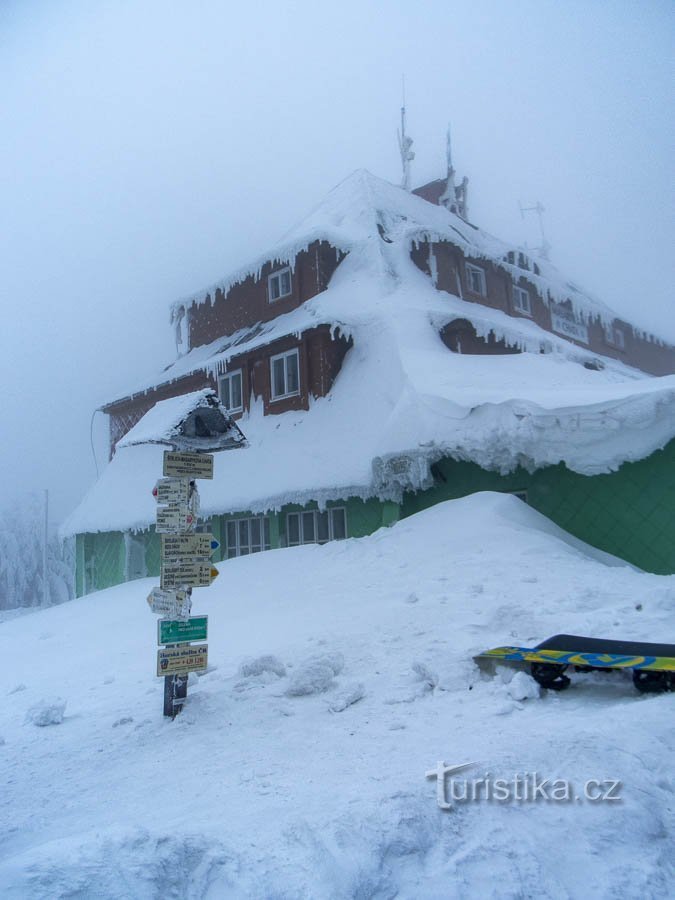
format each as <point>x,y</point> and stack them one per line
<point>615,337</point>
<point>521,300</point>
<point>475,277</point>
<point>279,284</point>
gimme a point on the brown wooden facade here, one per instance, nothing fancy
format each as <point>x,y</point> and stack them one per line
<point>448,265</point>
<point>248,302</point>
<point>320,356</point>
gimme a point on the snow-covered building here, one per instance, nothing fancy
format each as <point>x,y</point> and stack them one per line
<point>386,355</point>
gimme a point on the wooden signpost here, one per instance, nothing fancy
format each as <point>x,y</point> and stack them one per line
<point>205,427</point>
<point>185,564</point>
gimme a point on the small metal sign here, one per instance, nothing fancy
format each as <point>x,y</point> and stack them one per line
<point>174,604</point>
<point>174,519</point>
<point>172,490</point>
<point>176,632</point>
<point>184,574</point>
<point>192,546</point>
<point>190,465</point>
<point>182,659</point>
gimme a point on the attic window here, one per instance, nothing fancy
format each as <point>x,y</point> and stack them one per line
<point>279,284</point>
<point>615,337</point>
<point>475,277</point>
<point>521,300</point>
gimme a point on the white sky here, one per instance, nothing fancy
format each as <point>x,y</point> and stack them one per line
<point>149,146</point>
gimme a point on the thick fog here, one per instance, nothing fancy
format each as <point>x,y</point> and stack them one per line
<point>147,147</point>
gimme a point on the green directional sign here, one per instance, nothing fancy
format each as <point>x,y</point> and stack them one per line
<point>170,631</point>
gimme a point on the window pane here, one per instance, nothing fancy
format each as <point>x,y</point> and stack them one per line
<point>293,528</point>
<point>266,533</point>
<point>339,523</point>
<point>243,534</point>
<point>232,536</point>
<point>255,531</point>
<point>322,527</point>
<point>308,536</point>
<point>285,282</point>
<point>292,373</point>
<point>274,287</point>
<point>278,379</point>
<point>235,391</point>
<point>225,392</point>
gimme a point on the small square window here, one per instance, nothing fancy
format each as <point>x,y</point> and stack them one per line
<point>231,395</point>
<point>475,277</point>
<point>285,375</point>
<point>279,284</point>
<point>521,300</point>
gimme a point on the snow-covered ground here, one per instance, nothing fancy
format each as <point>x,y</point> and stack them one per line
<point>260,790</point>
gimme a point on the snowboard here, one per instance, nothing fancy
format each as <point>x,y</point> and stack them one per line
<point>652,664</point>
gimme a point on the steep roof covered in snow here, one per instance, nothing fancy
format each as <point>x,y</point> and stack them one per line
<point>422,403</point>
<point>361,217</point>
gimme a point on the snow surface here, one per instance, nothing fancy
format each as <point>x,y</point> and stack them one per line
<point>255,793</point>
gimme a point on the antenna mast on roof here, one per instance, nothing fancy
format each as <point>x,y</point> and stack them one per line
<point>405,147</point>
<point>455,197</point>
<point>539,209</point>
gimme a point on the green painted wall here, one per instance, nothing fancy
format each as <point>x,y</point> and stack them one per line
<point>630,513</point>
<point>104,557</point>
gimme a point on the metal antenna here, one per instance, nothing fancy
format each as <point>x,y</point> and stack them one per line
<point>539,209</point>
<point>405,144</point>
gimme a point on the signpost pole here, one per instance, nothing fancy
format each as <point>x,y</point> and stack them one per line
<point>186,552</point>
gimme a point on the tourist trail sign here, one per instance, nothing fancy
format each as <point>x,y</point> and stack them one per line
<point>172,632</point>
<point>173,604</point>
<point>174,519</point>
<point>187,574</point>
<point>181,659</point>
<point>188,465</point>
<point>188,546</point>
<point>172,490</point>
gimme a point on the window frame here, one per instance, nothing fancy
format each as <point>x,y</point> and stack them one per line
<point>228,376</point>
<point>277,276</point>
<point>285,355</point>
<point>300,515</point>
<point>236,524</point>
<point>470,269</point>
<point>517,293</point>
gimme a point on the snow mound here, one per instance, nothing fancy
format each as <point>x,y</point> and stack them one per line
<point>315,675</point>
<point>253,668</point>
<point>347,697</point>
<point>46,712</point>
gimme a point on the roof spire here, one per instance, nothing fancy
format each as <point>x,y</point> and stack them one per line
<point>405,147</point>
<point>455,197</point>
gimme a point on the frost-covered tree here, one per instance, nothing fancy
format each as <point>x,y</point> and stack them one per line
<point>22,535</point>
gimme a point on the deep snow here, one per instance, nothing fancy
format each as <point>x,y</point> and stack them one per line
<point>260,791</point>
